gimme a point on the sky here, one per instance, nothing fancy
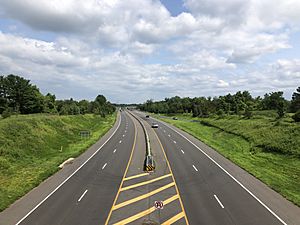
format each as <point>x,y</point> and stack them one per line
<point>134,50</point>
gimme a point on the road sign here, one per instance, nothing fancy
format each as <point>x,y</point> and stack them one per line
<point>85,133</point>
<point>159,204</point>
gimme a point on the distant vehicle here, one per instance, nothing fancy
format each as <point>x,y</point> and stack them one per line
<point>154,125</point>
<point>175,118</point>
<point>147,116</point>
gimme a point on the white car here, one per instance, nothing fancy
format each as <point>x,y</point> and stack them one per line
<point>154,125</point>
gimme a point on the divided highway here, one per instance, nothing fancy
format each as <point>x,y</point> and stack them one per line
<point>110,186</point>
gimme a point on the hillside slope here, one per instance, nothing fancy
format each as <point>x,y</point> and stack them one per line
<point>32,147</point>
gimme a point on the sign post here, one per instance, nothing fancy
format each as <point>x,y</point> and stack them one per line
<point>159,205</point>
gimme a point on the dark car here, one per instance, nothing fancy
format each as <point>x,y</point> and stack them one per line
<point>147,116</point>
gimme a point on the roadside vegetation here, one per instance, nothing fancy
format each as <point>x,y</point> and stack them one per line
<point>19,96</point>
<point>261,140</point>
<point>33,146</point>
<point>38,133</point>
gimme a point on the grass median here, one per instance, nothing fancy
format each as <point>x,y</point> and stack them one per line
<point>265,147</point>
<point>32,147</point>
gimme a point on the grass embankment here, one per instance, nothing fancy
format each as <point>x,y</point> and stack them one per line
<point>265,147</point>
<point>32,147</point>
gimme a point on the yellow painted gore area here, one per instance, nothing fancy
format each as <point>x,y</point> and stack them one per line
<point>145,212</point>
<point>143,196</point>
<point>145,182</point>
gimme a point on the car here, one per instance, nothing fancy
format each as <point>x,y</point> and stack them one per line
<point>175,118</point>
<point>147,116</point>
<point>154,125</point>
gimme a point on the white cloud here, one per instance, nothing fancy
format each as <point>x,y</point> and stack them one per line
<point>222,84</point>
<point>287,69</point>
<point>102,46</point>
<point>39,52</point>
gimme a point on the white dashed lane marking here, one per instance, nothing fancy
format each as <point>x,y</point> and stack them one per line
<point>220,203</point>
<point>195,168</point>
<point>82,195</point>
<point>104,166</point>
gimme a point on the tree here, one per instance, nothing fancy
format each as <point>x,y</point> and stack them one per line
<point>101,106</point>
<point>17,93</point>
<point>295,103</point>
<point>49,105</point>
<point>84,106</point>
<point>275,101</point>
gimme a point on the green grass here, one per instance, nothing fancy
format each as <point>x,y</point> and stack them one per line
<point>30,148</point>
<point>266,148</point>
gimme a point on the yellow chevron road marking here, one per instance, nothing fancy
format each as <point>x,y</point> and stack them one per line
<point>145,182</point>
<point>143,196</point>
<point>145,212</point>
<point>174,219</point>
<point>136,176</point>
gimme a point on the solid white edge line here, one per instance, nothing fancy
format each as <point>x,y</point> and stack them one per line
<point>220,203</point>
<point>82,195</point>
<point>104,166</point>
<point>51,193</point>
<point>256,198</point>
<point>182,151</point>
<point>195,168</point>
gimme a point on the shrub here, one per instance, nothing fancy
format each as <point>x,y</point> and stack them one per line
<point>7,113</point>
<point>296,116</point>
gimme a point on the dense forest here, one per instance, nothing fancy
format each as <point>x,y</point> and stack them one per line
<point>240,103</point>
<point>19,96</point>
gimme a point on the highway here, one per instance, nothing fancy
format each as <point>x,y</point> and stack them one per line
<point>195,185</point>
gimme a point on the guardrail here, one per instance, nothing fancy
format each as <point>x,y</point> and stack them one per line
<point>148,147</point>
<point>149,164</point>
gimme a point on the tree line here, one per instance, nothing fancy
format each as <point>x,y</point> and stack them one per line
<point>240,103</point>
<point>19,96</point>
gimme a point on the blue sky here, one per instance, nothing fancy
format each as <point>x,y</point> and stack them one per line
<point>135,50</point>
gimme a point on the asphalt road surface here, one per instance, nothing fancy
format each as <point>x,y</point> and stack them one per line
<point>190,185</point>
